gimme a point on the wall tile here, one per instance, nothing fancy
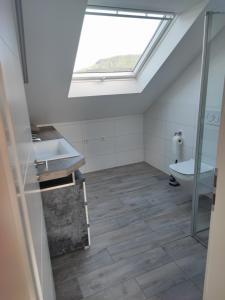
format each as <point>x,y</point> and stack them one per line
<point>71,131</point>
<point>129,157</point>
<point>175,110</point>
<point>106,143</point>
<point>128,125</point>
<point>98,128</point>
<point>129,142</point>
<point>95,163</point>
<point>99,147</point>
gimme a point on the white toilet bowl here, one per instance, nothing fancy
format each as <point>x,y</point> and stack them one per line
<point>184,174</point>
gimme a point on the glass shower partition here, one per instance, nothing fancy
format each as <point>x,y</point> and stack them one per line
<point>212,84</point>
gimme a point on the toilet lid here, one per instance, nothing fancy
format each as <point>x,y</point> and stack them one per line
<point>187,167</point>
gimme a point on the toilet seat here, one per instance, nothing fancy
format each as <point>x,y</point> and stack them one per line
<point>187,167</point>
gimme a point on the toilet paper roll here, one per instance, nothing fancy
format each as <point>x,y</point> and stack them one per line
<point>177,147</point>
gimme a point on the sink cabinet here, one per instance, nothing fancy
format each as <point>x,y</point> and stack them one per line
<point>64,204</point>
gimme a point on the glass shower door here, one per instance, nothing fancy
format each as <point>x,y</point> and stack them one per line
<point>212,83</point>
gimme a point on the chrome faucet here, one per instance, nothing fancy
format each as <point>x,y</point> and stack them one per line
<point>35,138</point>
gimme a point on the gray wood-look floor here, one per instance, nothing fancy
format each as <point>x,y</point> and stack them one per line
<point>141,243</point>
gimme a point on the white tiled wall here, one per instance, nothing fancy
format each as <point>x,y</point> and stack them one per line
<point>106,143</point>
<point>175,110</point>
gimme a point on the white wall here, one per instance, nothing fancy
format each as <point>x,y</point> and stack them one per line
<point>14,109</point>
<point>175,110</point>
<point>108,142</point>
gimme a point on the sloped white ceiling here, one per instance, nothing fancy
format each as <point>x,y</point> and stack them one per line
<point>52,30</point>
<point>217,5</point>
<point>176,6</point>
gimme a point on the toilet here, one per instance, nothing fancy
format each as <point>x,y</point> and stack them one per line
<point>184,174</point>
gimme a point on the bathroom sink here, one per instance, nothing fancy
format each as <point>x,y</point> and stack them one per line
<point>53,150</point>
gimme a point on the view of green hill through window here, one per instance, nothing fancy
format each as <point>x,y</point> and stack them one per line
<point>116,43</point>
<point>110,44</point>
<point>119,63</point>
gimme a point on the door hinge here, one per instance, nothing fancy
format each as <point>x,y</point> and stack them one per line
<point>214,199</point>
<point>214,187</point>
<point>215,177</point>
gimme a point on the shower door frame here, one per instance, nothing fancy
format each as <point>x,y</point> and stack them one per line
<point>201,116</point>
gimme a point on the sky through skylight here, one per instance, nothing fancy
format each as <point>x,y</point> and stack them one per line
<point>113,44</point>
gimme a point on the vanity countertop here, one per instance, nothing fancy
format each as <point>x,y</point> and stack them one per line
<point>57,168</point>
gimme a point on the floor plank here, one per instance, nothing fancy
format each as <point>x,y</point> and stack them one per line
<point>154,282</point>
<point>141,243</point>
<point>128,290</point>
<point>183,291</point>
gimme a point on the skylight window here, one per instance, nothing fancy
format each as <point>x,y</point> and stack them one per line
<point>116,43</point>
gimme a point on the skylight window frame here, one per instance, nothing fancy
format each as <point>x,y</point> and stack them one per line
<point>157,37</point>
<point>166,20</point>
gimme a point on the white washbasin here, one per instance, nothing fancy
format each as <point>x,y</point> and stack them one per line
<point>53,149</point>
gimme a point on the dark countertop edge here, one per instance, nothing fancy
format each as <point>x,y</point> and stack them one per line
<point>57,168</point>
